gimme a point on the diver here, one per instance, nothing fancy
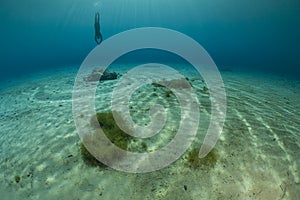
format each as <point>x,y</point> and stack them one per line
<point>98,36</point>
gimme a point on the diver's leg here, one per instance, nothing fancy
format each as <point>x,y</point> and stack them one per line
<point>97,40</point>
<point>97,17</point>
<point>100,37</point>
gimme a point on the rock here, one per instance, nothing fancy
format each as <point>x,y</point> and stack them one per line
<point>105,75</point>
<point>17,179</point>
<point>185,187</point>
<point>182,83</point>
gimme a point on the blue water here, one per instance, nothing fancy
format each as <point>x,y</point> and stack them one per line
<point>254,35</point>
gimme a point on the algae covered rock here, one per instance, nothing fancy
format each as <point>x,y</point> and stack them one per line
<point>104,73</point>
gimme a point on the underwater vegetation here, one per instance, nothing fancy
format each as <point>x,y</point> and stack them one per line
<point>116,135</point>
<point>193,161</point>
<point>88,158</point>
<point>127,142</point>
<point>112,130</point>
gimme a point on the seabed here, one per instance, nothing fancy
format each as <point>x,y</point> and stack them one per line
<point>257,156</point>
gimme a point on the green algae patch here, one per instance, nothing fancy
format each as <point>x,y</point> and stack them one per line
<point>88,158</point>
<point>115,134</point>
<point>193,161</point>
<point>112,131</point>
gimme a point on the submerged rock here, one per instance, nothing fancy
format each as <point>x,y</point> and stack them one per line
<point>182,83</point>
<point>17,179</point>
<point>105,75</point>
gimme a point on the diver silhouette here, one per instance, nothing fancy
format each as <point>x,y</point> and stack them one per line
<point>98,36</point>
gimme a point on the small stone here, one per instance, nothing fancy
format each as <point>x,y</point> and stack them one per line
<point>17,179</point>
<point>185,187</point>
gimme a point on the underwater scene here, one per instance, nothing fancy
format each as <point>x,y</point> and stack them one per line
<point>150,100</point>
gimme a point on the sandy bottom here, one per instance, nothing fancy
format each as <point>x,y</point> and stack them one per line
<point>257,154</point>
